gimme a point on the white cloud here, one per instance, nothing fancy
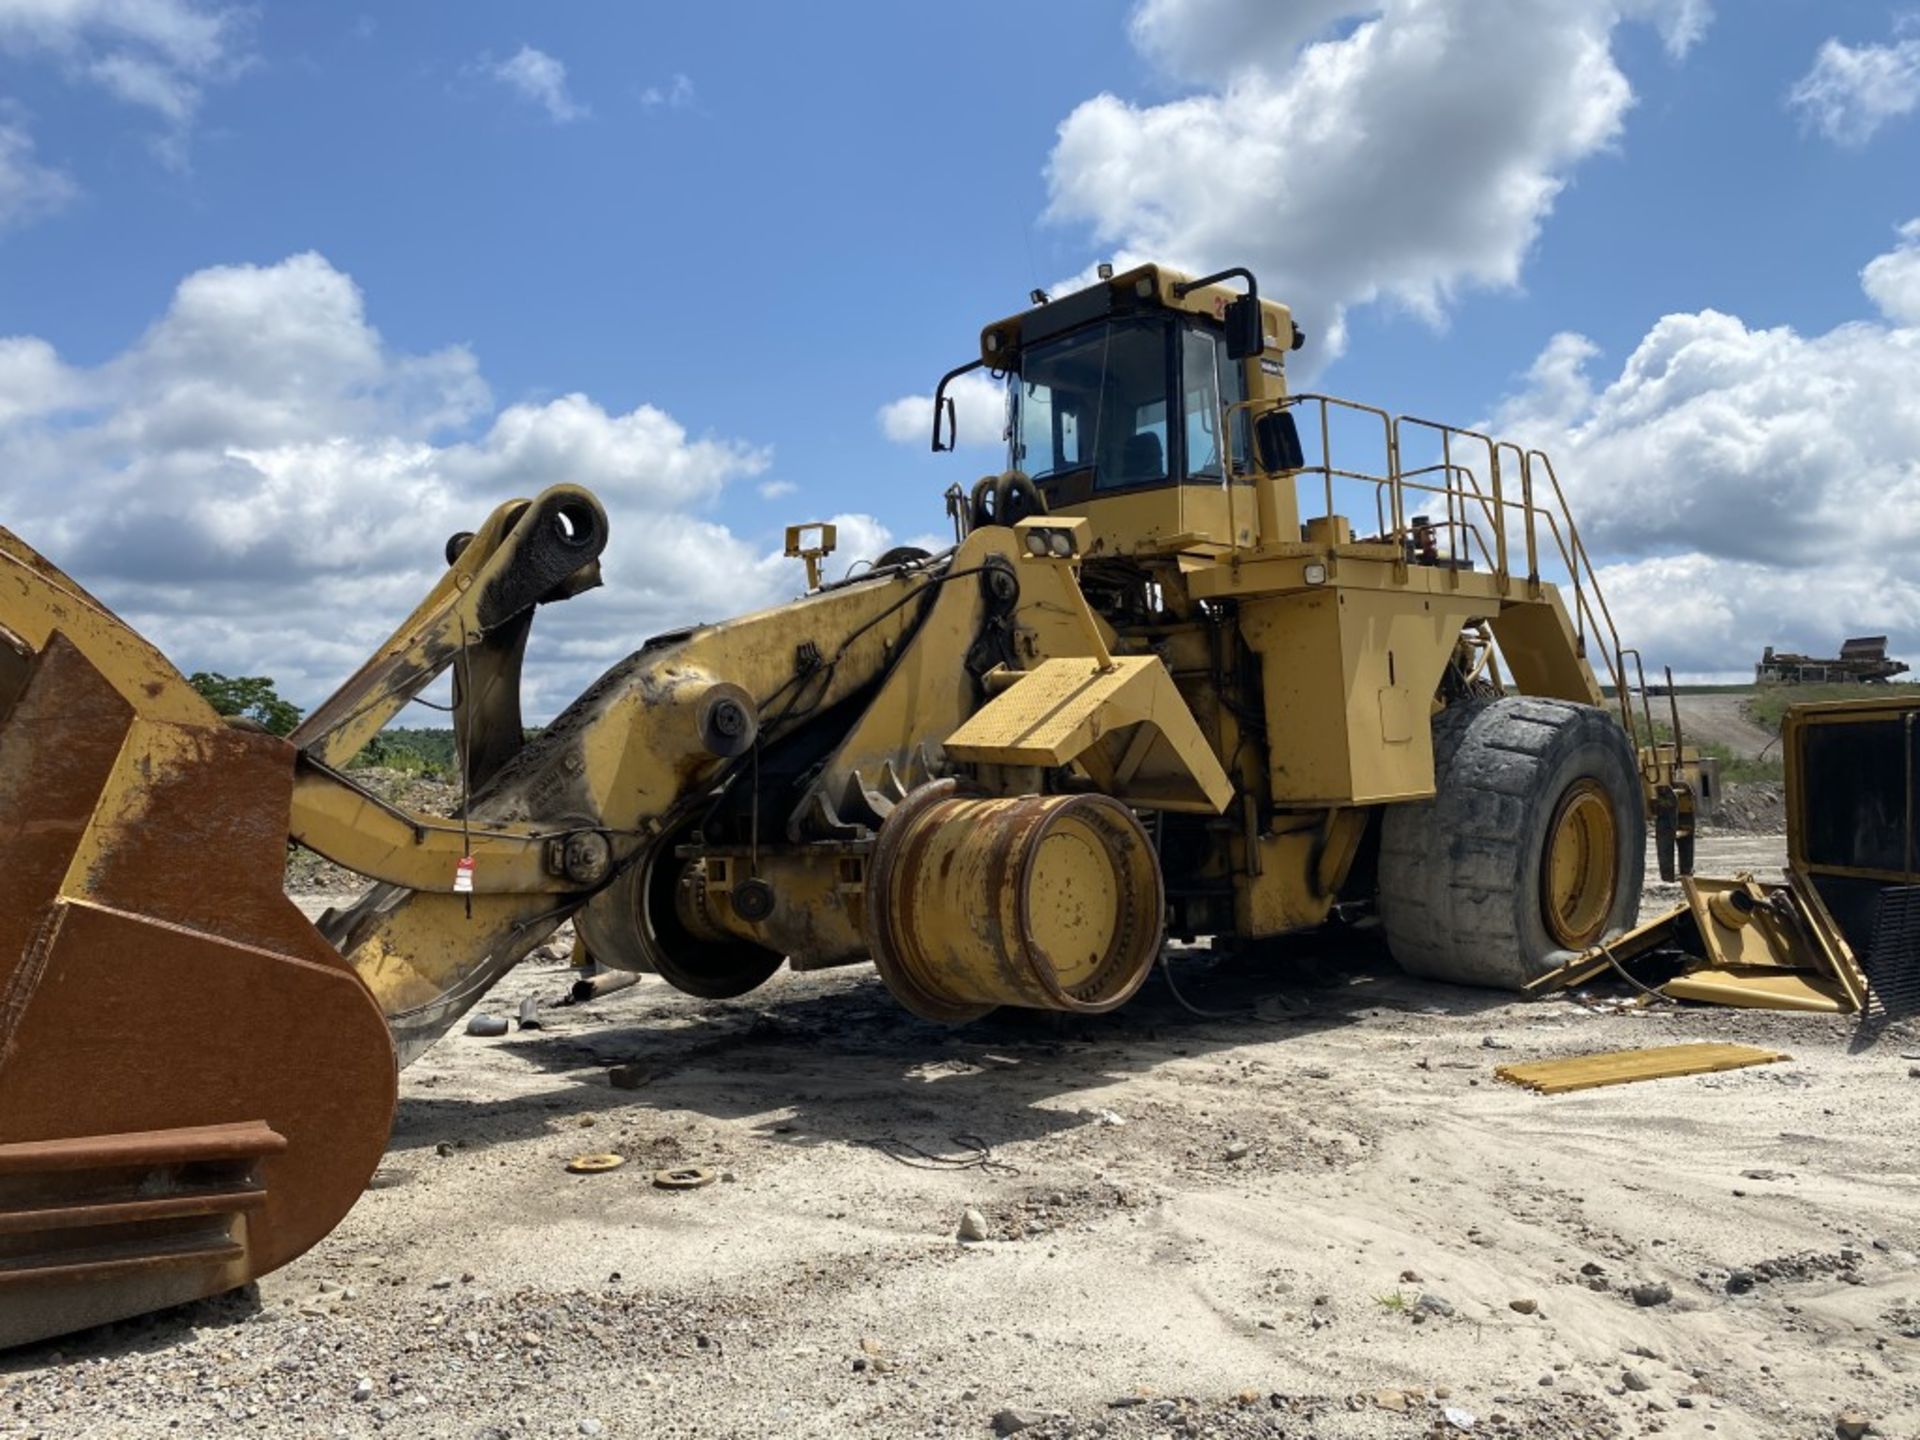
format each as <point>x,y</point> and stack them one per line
<point>1353,152</point>
<point>1892,281</point>
<point>158,55</point>
<point>185,33</point>
<point>980,414</point>
<point>858,541</point>
<point>145,82</point>
<point>1852,90</point>
<point>537,76</point>
<point>1710,617</point>
<point>261,484</point>
<point>29,191</point>
<point>777,489</point>
<point>33,382</point>
<point>1751,486</point>
<point>676,94</point>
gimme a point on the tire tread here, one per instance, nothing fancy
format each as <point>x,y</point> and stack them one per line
<point>1453,869</point>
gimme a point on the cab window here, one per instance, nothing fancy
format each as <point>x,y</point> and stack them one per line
<point>1212,384</point>
<point>1124,403</point>
<point>1200,387</point>
<point>1096,399</point>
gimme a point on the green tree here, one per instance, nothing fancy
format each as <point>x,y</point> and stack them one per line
<point>250,696</point>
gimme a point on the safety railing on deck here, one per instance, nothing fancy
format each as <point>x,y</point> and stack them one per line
<point>1471,479</point>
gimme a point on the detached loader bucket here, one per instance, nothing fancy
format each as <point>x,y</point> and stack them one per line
<point>194,1086</point>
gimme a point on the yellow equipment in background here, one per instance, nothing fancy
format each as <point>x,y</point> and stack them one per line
<point>1209,658</point>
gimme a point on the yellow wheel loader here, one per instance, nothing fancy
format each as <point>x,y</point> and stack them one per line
<point>1209,658</point>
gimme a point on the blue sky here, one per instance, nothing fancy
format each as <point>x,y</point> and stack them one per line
<point>737,236</point>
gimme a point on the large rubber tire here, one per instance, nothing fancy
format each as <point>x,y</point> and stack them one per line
<point>1463,877</point>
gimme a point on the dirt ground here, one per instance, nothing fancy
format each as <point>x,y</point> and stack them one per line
<point>1312,1212</point>
<point>1720,718</point>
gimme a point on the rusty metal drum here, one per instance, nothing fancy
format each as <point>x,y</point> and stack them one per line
<point>1051,902</point>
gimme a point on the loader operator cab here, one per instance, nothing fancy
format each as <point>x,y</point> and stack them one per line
<point>1127,403</point>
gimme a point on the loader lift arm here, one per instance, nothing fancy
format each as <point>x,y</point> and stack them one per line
<point>585,814</point>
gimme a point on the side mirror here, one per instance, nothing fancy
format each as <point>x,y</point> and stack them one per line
<point>1277,440</point>
<point>1245,336</point>
<point>946,430</point>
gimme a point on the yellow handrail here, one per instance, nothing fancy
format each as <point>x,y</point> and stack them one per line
<point>1461,493</point>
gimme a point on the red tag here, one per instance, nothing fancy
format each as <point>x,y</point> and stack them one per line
<point>463,876</point>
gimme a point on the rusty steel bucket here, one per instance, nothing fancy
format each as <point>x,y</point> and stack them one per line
<point>194,1086</point>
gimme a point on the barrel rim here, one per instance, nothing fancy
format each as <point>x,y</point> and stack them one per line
<point>1140,915</point>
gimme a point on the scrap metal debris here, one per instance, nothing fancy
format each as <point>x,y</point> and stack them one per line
<point>684,1177</point>
<point>1840,934</point>
<point>1731,942</point>
<point>600,984</point>
<point>1760,987</point>
<point>1621,1067</point>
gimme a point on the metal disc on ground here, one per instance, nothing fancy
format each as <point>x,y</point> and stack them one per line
<point>685,1177</point>
<point>595,1164</point>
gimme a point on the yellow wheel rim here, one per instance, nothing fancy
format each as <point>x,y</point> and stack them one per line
<point>1581,876</point>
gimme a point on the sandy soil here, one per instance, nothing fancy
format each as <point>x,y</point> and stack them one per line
<point>1311,1215</point>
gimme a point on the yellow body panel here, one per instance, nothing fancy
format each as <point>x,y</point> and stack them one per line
<point>1287,869</point>
<point>1754,936</point>
<point>1126,724</point>
<point>1376,656</point>
<point>1202,522</point>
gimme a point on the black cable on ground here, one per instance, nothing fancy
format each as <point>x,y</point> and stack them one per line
<point>978,1156</point>
<point>1166,973</point>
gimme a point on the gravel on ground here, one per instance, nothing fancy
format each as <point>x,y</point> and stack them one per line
<point>1311,1211</point>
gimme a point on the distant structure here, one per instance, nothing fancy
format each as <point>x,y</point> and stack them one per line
<point>1862,659</point>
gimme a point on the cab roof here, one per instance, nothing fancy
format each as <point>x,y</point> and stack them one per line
<point>1141,290</point>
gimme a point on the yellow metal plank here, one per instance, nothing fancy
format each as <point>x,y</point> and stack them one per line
<point>1620,1067</point>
